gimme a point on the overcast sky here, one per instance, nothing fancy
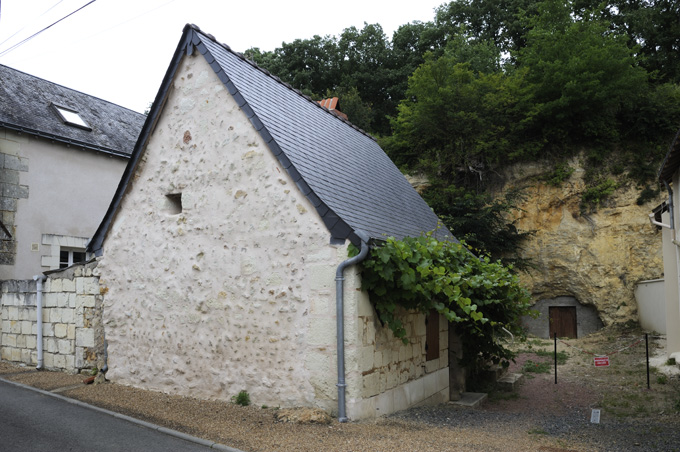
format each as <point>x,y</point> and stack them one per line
<point>119,50</point>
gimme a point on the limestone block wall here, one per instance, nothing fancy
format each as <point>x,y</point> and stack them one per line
<point>72,337</point>
<point>385,374</point>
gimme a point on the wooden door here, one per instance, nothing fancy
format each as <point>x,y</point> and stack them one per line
<point>562,321</point>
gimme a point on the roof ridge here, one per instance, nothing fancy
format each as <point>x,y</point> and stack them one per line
<point>277,79</point>
<point>71,89</point>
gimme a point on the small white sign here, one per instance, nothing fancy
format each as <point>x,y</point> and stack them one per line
<point>595,416</point>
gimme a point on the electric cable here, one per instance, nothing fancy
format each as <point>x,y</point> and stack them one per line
<point>24,27</point>
<point>5,52</point>
<point>84,38</point>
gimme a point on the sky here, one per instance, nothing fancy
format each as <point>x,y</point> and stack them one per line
<point>119,50</point>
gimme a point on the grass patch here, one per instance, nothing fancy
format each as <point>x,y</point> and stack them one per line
<point>537,431</point>
<point>562,357</point>
<point>536,367</point>
<point>243,398</point>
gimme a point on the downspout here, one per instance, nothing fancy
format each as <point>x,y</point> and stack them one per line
<point>39,318</point>
<point>340,318</point>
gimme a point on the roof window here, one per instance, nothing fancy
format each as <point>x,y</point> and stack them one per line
<point>70,117</point>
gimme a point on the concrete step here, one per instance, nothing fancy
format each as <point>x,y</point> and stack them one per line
<point>470,399</point>
<point>510,382</point>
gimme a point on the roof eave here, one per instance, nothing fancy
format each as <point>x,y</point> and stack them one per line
<point>64,140</point>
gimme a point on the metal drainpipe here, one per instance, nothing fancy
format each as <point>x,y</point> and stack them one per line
<point>339,297</point>
<point>39,343</point>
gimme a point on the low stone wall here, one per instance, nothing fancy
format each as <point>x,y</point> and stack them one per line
<point>72,332</point>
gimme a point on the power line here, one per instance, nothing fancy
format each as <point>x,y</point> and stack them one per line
<point>24,27</point>
<point>5,52</point>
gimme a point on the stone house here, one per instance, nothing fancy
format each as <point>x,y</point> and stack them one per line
<point>666,217</point>
<point>62,154</point>
<point>221,256</point>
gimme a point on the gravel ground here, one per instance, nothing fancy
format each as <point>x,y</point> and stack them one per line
<point>540,416</point>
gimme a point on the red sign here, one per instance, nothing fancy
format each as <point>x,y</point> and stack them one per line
<point>602,361</point>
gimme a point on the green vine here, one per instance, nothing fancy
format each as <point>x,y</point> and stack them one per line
<point>480,298</point>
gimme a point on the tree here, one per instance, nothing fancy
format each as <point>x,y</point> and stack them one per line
<point>494,21</point>
<point>456,122</point>
<point>584,75</point>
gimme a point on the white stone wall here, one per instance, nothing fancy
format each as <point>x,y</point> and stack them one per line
<point>236,292</point>
<point>71,304</point>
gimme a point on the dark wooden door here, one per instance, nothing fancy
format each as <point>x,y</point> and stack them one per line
<point>562,321</point>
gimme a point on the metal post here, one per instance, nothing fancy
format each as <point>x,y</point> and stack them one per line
<point>555,336</point>
<point>647,349</point>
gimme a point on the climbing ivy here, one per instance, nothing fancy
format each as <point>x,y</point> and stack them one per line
<point>479,297</point>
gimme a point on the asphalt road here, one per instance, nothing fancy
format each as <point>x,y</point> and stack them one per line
<point>33,421</point>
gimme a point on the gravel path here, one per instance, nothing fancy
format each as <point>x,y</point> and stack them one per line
<point>542,416</point>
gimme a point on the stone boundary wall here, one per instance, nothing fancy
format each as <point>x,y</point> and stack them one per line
<point>72,331</point>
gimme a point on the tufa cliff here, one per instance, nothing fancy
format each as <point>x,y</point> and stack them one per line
<point>596,257</point>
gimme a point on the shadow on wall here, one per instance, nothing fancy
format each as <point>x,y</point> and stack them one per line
<point>564,316</point>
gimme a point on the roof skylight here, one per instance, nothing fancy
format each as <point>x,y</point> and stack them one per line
<point>71,117</point>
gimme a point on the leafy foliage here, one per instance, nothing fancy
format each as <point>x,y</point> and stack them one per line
<point>479,296</point>
<point>242,398</point>
<point>560,173</point>
<point>481,221</point>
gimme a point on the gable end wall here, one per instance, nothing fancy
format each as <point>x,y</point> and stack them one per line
<point>237,292</point>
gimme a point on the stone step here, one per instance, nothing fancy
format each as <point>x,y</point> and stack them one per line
<point>470,399</point>
<point>510,382</point>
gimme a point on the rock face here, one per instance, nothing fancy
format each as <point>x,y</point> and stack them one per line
<point>595,257</point>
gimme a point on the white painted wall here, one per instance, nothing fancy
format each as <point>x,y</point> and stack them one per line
<point>651,301</point>
<point>671,257</point>
<point>69,190</point>
<point>237,292</point>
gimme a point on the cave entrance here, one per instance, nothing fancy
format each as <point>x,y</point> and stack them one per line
<point>562,321</point>
<point>563,315</point>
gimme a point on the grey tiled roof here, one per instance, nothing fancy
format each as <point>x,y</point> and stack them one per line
<point>342,170</point>
<point>25,105</point>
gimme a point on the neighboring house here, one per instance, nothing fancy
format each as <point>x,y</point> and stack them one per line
<point>62,154</point>
<point>667,216</point>
<point>220,249</point>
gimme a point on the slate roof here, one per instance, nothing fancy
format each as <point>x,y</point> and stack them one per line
<point>671,162</point>
<point>26,106</point>
<point>342,170</point>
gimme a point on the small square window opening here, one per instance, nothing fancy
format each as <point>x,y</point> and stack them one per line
<point>173,203</point>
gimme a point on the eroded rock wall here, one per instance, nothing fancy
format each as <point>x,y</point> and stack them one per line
<point>597,257</point>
